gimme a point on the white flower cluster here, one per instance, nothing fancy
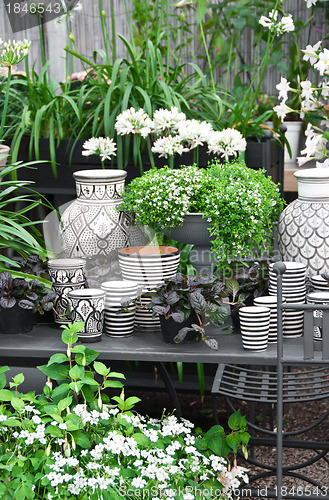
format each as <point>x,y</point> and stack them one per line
<point>279,27</point>
<point>162,467</point>
<point>227,143</point>
<point>313,101</point>
<point>131,121</point>
<point>14,52</point>
<point>102,146</point>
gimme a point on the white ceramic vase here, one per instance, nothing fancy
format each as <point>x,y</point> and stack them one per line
<point>92,225</point>
<point>303,230</point>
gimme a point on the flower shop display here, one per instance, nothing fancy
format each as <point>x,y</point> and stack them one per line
<point>254,325</point>
<point>294,290</point>
<point>148,266</point>
<point>87,306</point>
<point>231,198</point>
<point>92,225</point>
<point>303,225</point>
<point>20,299</point>
<point>66,275</point>
<point>82,437</point>
<point>188,301</point>
<point>118,322</point>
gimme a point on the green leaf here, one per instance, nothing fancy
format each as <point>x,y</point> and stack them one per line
<point>115,384</point>
<point>236,421</point>
<point>83,440</point>
<point>64,403</point>
<point>233,441</point>
<point>24,492</point>
<point>18,379</point>
<point>198,302</point>
<point>55,372</point>
<point>76,372</point>
<point>141,439</point>
<point>182,334</point>
<point>233,287</point>
<point>116,375</point>
<point>58,358</point>
<point>17,403</point>
<point>6,395</point>
<point>101,368</point>
<point>69,338</point>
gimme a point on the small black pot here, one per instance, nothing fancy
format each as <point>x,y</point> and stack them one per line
<point>16,320</point>
<point>170,329</point>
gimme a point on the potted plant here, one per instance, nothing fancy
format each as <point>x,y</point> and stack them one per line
<point>20,298</point>
<point>184,304</point>
<point>236,205</point>
<point>83,438</point>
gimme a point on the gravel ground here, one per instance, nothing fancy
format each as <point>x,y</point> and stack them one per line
<point>200,413</point>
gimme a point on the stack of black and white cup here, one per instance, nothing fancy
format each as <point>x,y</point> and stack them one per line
<point>318,297</point>
<point>294,291</point>
<point>271,301</point>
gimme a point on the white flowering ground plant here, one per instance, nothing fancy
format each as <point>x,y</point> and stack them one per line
<point>241,204</point>
<point>78,440</point>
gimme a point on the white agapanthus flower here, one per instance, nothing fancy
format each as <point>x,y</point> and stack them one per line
<point>13,52</point>
<point>102,146</point>
<point>168,146</point>
<point>226,143</point>
<point>131,121</point>
<point>165,121</point>
<point>194,132</point>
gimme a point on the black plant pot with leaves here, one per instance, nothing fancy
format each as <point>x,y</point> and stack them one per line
<point>170,328</point>
<point>16,320</point>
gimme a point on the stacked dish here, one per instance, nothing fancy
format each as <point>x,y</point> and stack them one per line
<point>271,302</point>
<point>254,325</point>
<point>318,298</point>
<point>319,283</point>
<point>294,291</point>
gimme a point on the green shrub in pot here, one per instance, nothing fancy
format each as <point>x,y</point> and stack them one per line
<point>241,204</point>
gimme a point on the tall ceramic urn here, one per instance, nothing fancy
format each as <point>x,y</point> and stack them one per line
<point>92,225</point>
<point>304,223</point>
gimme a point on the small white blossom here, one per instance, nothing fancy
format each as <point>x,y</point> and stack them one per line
<point>226,143</point>
<point>104,147</point>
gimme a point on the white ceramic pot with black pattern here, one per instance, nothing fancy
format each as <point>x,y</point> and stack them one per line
<point>303,230</point>
<point>88,305</point>
<point>92,225</point>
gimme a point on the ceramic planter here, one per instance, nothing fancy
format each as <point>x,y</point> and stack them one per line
<point>4,153</point>
<point>148,266</point>
<point>119,324</point>
<point>303,230</point>
<point>87,305</point>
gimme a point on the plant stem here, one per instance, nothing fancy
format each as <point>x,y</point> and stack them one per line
<point>5,104</point>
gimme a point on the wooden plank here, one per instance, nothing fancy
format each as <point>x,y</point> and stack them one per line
<point>290,181</point>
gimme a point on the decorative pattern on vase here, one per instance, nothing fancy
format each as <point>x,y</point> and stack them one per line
<point>303,229</point>
<point>92,225</point>
<point>66,275</point>
<point>88,306</point>
<point>148,266</point>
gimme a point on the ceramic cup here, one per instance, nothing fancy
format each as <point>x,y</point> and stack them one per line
<point>119,324</point>
<point>318,297</point>
<point>271,302</point>
<point>87,305</point>
<point>254,325</point>
<point>66,275</point>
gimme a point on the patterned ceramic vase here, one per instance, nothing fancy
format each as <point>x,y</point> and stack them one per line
<point>87,305</point>
<point>91,225</point>
<point>148,266</point>
<point>116,292</point>
<point>304,224</point>
<point>66,275</point>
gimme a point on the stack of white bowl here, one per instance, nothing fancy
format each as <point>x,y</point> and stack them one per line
<point>294,291</point>
<point>318,297</point>
<point>319,283</point>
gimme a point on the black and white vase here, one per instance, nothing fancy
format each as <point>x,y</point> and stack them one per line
<point>87,305</point>
<point>120,324</point>
<point>148,266</point>
<point>66,275</point>
<point>303,230</point>
<point>92,225</point>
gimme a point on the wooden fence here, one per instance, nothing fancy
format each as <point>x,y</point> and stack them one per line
<point>86,28</point>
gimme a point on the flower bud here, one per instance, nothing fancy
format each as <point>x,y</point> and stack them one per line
<point>72,37</point>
